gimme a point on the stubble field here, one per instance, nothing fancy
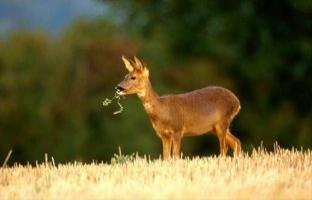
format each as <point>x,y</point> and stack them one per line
<point>282,174</point>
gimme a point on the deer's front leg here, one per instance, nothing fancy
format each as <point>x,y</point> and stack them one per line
<point>166,141</point>
<point>176,147</point>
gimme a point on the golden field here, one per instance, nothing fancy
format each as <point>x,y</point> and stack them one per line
<point>282,174</point>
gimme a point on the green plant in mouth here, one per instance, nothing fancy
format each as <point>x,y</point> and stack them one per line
<point>107,101</point>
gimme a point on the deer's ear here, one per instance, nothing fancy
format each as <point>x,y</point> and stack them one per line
<point>139,63</point>
<point>127,64</point>
<point>145,72</point>
<point>141,66</point>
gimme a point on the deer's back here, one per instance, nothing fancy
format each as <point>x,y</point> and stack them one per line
<point>197,111</point>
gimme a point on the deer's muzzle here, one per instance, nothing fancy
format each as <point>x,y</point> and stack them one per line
<point>120,90</point>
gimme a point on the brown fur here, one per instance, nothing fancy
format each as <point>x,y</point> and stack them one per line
<point>210,109</point>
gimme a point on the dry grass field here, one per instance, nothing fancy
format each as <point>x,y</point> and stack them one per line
<point>282,174</point>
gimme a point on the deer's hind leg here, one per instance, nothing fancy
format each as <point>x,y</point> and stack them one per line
<point>233,142</point>
<point>220,130</point>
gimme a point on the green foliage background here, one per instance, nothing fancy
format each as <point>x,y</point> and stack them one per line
<point>51,89</point>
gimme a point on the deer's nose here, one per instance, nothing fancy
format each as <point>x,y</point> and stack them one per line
<point>119,88</point>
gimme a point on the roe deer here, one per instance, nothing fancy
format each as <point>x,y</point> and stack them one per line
<point>210,109</point>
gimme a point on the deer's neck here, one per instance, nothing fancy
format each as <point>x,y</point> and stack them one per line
<point>149,98</point>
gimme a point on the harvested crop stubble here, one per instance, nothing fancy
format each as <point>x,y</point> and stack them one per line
<point>261,175</point>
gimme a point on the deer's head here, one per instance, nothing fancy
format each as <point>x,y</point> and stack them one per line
<point>137,78</point>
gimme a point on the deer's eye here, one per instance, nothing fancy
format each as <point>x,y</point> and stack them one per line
<point>133,78</point>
